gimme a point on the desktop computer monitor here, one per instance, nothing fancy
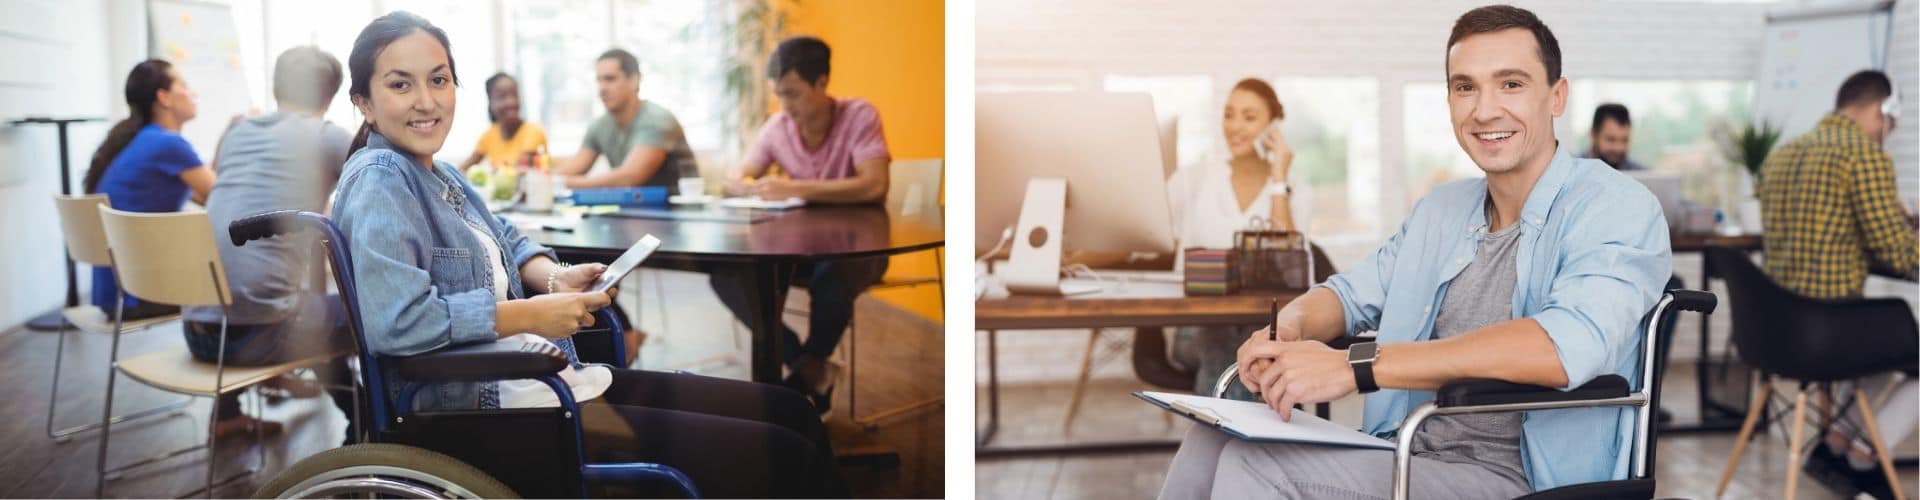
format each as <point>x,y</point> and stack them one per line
<point>1105,147</point>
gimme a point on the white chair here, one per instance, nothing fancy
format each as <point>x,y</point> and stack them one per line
<point>170,258</point>
<point>913,188</point>
<point>87,243</point>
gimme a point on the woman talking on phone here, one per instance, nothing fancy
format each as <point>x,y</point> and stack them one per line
<point>1213,199</point>
<point>437,269</point>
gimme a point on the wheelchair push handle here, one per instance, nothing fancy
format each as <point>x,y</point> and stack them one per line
<point>268,225</point>
<point>1694,300</point>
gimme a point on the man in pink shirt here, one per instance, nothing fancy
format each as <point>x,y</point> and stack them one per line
<point>833,151</point>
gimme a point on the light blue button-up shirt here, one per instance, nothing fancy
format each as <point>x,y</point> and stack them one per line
<point>1592,259</point>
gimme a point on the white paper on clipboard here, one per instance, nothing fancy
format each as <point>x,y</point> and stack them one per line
<point>1256,422</point>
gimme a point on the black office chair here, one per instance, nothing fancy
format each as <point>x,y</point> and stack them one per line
<point>1780,333</point>
<point>1490,396</point>
<point>450,453</point>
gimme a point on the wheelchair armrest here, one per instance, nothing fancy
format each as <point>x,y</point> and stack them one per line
<point>481,362</point>
<point>1494,392</point>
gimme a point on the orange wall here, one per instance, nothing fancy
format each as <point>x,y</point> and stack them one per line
<point>893,54</point>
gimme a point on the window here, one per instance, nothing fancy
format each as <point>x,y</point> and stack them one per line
<point>553,46</point>
<point>1675,128</point>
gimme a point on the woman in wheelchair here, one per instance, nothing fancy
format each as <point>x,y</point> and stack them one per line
<point>437,269</point>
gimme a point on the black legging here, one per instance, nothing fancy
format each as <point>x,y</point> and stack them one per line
<point>735,439</point>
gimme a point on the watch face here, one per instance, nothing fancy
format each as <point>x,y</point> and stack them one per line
<point>1363,351</point>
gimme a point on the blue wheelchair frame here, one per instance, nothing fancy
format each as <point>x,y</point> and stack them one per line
<point>386,417</point>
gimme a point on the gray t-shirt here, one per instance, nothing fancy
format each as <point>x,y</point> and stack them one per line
<point>1481,295</point>
<point>277,161</point>
<point>653,126</point>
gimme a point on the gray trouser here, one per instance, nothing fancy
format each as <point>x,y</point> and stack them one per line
<point>1211,464</point>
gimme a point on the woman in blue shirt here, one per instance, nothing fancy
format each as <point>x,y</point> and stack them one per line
<point>436,269</point>
<point>145,166</point>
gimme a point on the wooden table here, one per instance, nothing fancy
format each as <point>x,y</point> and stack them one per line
<point>1131,304</point>
<point>771,249</point>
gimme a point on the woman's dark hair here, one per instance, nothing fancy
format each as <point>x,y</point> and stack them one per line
<point>496,78</point>
<point>375,38</point>
<point>1265,92</point>
<point>143,86</point>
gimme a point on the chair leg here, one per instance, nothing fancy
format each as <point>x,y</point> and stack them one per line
<point>1879,444</point>
<point>1793,446</point>
<point>106,414</point>
<point>1746,434</point>
<point>53,398</point>
<point>1080,386</point>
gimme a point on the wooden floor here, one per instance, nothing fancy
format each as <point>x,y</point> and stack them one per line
<point>901,360</point>
<point>1038,369</point>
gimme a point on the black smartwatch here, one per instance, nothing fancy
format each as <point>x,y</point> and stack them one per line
<point>1360,356</point>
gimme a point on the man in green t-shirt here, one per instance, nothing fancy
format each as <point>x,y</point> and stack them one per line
<point>643,142</point>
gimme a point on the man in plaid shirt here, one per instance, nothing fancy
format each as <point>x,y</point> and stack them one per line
<point>1830,207</point>
<point>1831,211</point>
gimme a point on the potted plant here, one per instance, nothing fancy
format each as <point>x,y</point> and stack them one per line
<point>1748,147</point>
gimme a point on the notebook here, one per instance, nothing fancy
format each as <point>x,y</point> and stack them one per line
<point>763,204</point>
<point>1255,422</point>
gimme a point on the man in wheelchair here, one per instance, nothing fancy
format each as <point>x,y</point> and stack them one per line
<point>1537,274</point>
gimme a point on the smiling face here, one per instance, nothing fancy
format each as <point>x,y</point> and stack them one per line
<point>1502,104</point>
<point>505,99</point>
<point>1611,141</point>
<point>1246,117</point>
<point>412,96</point>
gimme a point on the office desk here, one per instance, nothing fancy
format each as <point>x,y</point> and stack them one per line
<point>1131,304</point>
<point>1715,416</point>
<point>771,249</point>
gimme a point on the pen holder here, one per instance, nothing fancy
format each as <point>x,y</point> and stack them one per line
<point>1268,260</point>
<point>1208,272</point>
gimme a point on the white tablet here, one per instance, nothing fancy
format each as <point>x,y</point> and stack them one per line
<point>625,264</point>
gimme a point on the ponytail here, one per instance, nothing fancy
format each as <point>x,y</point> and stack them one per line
<point>143,84</point>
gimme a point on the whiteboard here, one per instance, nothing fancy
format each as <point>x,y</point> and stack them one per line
<point>200,40</point>
<point>1807,53</point>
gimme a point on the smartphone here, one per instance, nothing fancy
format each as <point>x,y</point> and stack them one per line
<point>1260,142</point>
<point>625,264</point>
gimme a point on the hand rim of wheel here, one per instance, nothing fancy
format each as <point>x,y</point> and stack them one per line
<point>403,482</point>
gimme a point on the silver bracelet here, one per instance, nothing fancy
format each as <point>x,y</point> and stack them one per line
<point>555,273</point>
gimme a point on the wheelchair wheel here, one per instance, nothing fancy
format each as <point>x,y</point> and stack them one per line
<point>385,470</point>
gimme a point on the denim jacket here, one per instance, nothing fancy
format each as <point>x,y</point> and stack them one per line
<point>423,280</point>
<point>1593,257</point>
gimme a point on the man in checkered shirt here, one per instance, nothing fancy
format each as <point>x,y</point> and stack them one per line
<point>1830,212</point>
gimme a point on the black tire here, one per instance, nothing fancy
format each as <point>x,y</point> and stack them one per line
<point>439,473</point>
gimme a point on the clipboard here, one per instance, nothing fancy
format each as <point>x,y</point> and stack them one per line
<point>1252,421</point>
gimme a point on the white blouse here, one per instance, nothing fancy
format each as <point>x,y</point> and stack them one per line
<point>587,381</point>
<point>1206,212</point>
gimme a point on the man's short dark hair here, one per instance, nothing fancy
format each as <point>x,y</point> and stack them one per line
<point>806,56</point>
<point>1493,18</point>
<point>1867,86</point>
<point>306,76</point>
<point>629,65</point>
<point>1613,112</point>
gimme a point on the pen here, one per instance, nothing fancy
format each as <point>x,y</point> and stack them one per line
<point>1273,332</point>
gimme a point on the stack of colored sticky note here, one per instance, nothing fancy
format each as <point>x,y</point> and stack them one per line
<point>1207,272</point>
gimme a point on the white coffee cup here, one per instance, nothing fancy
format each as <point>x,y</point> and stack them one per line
<point>539,190</point>
<point>693,186</point>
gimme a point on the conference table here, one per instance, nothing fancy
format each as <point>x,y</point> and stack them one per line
<point>1123,305</point>
<point>771,247</point>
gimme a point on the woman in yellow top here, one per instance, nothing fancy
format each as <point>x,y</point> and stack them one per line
<point>510,137</point>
